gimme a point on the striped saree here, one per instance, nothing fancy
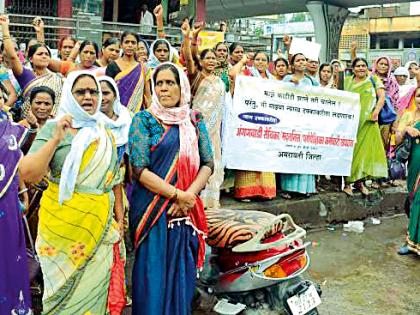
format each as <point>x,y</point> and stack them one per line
<point>78,240</point>
<point>52,80</point>
<point>168,250</point>
<point>131,87</point>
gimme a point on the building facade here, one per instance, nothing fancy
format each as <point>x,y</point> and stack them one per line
<point>378,31</point>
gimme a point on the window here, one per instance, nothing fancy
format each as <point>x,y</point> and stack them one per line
<point>412,42</point>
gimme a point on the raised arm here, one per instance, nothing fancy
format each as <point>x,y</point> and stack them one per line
<point>158,12</point>
<point>353,50</point>
<point>55,65</point>
<point>39,27</point>
<point>34,166</point>
<point>75,51</point>
<point>9,48</point>
<point>287,40</point>
<point>12,93</point>
<point>186,50</point>
<point>194,44</point>
<point>236,69</point>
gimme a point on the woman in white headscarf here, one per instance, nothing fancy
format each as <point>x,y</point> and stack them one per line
<point>118,119</point>
<point>161,51</point>
<point>78,236</point>
<point>412,67</point>
<point>115,115</point>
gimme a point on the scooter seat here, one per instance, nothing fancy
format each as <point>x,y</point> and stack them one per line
<point>228,228</point>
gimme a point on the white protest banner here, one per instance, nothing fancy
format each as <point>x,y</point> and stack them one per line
<point>309,49</point>
<point>278,127</point>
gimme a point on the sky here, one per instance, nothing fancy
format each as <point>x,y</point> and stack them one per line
<point>414,8</point>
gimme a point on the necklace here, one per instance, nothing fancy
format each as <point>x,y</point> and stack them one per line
<point>39,73</point>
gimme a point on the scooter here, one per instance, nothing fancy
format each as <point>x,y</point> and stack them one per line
<point>255,260</point>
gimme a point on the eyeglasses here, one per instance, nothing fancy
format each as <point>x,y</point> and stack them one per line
<point>82,92</point>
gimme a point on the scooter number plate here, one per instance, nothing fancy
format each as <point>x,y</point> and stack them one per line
<point>305,302</point>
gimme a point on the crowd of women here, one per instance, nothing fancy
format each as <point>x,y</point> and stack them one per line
<point>128,138</point>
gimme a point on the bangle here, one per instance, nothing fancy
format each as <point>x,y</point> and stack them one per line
<point>24,190</point>
<point>193,44</point>
<point>174,195</point>
<point>160,30</point>
<point>6,37</point>
<point>32,130</point>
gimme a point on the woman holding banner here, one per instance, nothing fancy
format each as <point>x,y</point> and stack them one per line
<point>369,155</point>
<point>250,184</point>
<point>298,183</point>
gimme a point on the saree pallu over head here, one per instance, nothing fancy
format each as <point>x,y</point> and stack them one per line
<point>391,85</point>
<point>52,80</point>
<point>153,62</point>
<point>90,128</point>
<point>15,296</point>
<point>407,102</point>
<point>182,162</point>
<point>121,126</point>
<point>130,84</point>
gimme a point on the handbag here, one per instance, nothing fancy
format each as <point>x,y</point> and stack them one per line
<point>396,169</point>
<point>397,163</point>
<point>387,115</point>
<point>402,151</point>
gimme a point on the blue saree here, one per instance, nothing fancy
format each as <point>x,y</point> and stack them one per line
<point>167,250</point>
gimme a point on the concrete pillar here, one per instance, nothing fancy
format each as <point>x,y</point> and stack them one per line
<point>401,43</point>
<point>115,8</point>
<point>2,6</point>
<point>201,10</point>
<point>64,10</point>
<point>329,21</point>
<point>378,43</point>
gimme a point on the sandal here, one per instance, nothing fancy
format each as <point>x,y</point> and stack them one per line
<point>375,185</point>
<point>362,188</point>
<point>404,250</point>
<point>348,191</point>
<point>285,196</point>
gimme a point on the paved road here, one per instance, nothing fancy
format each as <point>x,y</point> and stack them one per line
<point>361,274</point>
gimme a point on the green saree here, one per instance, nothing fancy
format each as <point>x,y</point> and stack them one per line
<point>413,184</point>
<point>369,160</point>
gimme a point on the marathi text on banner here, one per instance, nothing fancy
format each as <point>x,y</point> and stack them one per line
<point>209,39</point>
<point>277,127</point>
